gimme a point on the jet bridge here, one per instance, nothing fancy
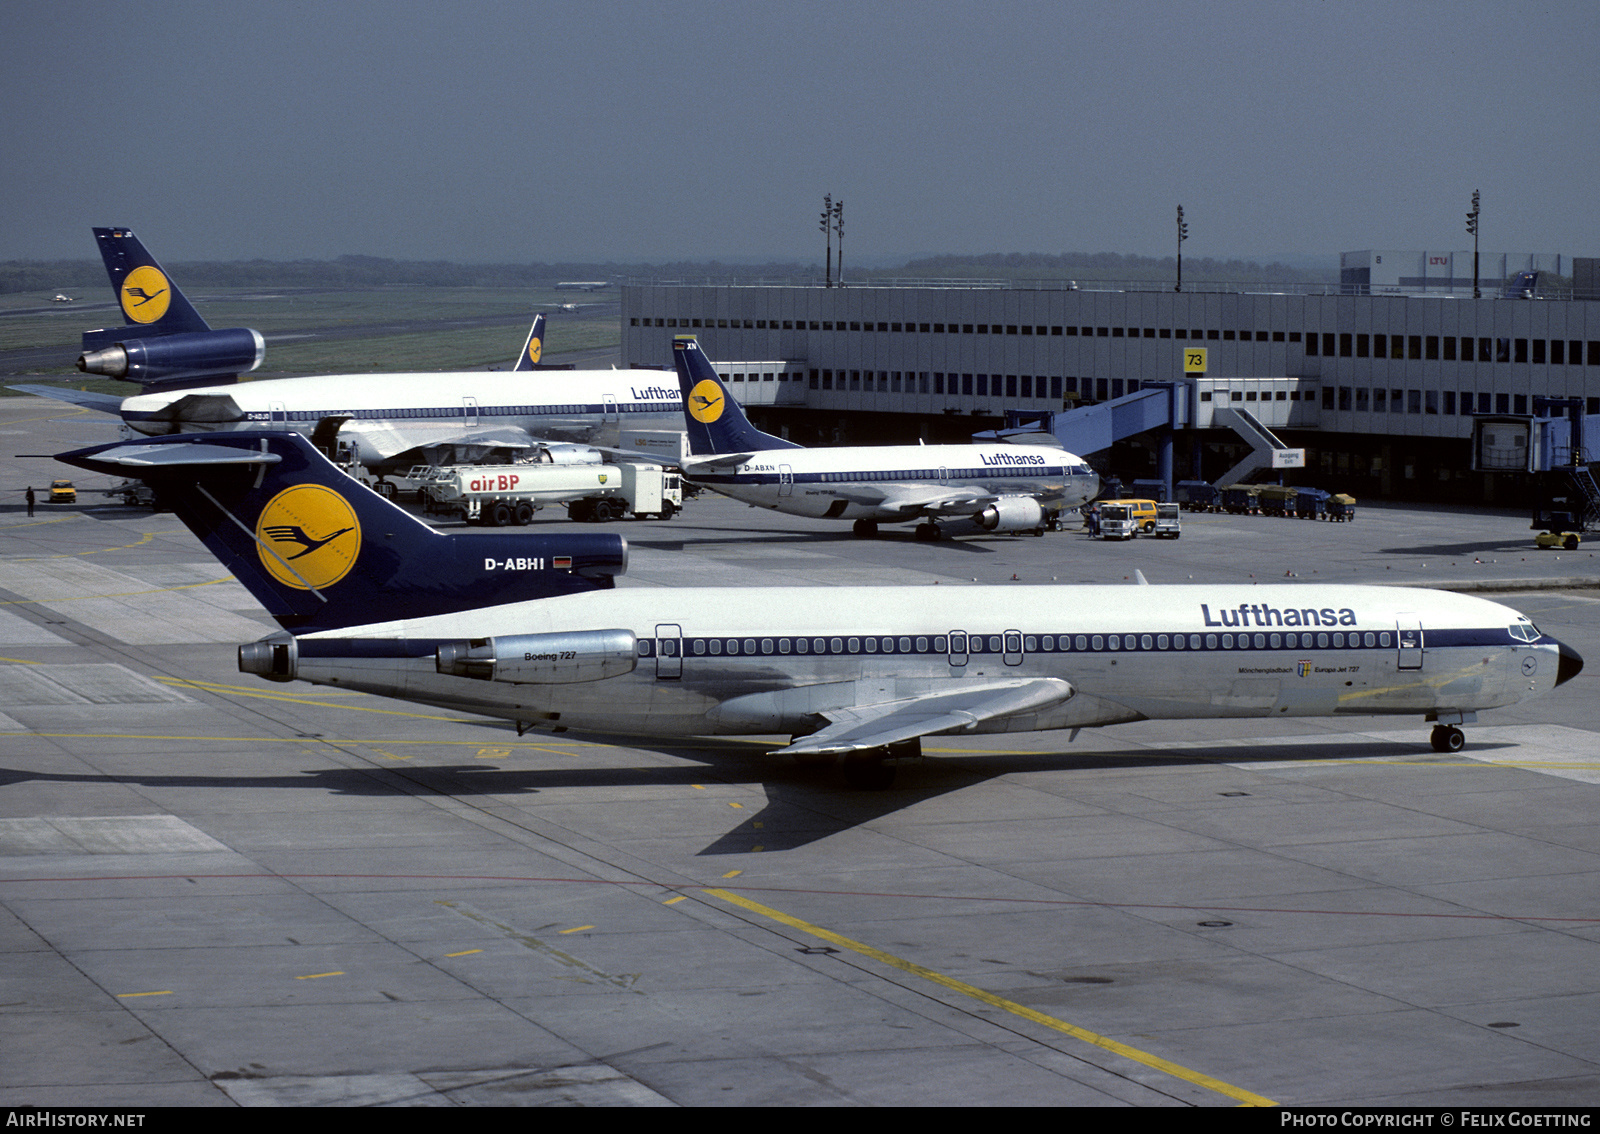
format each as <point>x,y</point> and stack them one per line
<point>1549,445</point>
<point>1251,407</point>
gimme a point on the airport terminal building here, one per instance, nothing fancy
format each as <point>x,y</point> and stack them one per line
<point>1387,385</point>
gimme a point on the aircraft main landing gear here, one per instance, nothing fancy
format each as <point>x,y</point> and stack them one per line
<point>873,770</point>
<point>865,529</point>
<point>1447,738</point>
<point>928,532</point>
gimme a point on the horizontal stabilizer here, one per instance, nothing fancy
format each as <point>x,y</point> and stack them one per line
<point>194,454</point>
<point>859,727</point>
<point>88,399</point>
<point>321,551</point>
<point>721,461</point>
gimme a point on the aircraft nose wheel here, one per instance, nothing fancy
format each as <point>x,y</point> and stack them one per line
<point>1447,738</point>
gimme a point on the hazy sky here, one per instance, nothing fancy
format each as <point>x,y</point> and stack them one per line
<point>488,130</point>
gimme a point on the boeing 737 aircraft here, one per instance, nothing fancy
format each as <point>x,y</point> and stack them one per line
<point>854,673</point>
<point>1005,488</point>
<point>391,421</point>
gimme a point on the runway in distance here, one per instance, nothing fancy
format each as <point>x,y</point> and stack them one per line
<point>1005,488</point>
<point>857,674</point>
<point>390,421</point>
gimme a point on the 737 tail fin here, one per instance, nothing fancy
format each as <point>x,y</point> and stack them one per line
<point>715,421</point>
<point>321,551</point>
<point>165,344</point>
<point>534,347</point>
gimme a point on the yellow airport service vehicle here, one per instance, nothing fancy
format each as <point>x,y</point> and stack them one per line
<point>1565,541</point>
<point>62,492</point>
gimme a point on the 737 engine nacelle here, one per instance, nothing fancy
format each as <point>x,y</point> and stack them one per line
<point>542,659</point>
<point>1011,514</point>
<point>236,350</point>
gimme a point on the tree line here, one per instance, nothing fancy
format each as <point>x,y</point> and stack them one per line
<point>378,271</point>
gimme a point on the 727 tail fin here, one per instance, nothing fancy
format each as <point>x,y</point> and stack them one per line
<point>321,551</point>
<point>715,421</point>
<point>166,344</point>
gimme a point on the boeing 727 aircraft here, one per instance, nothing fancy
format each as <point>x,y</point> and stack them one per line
<point>856,673</point>
<point>1005,488</point>
<point>390,421</point>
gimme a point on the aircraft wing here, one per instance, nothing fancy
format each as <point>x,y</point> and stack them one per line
<point>105,403</point>
<point>932,502</point>
<point>387,439</point>
<point>857,727</point>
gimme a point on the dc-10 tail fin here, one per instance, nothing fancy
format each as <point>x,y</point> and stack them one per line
<point>165,344</point>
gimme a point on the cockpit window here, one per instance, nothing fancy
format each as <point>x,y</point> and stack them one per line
<point>1524,630</point>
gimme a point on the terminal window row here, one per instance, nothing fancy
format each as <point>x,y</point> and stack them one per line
<point>938,382</point>
<point>971,329</point>
<point>1450,348</point>
<point>1446,348</point>
<point>1055,387</point>
<point>1383,399</point>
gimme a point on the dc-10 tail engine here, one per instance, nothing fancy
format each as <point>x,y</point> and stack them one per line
<point>167,358</point>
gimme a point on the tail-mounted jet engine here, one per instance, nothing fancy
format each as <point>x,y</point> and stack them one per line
<point>171,358</point>
<point>542,659</point>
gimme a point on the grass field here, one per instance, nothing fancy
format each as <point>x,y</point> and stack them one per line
<point>286,312</point>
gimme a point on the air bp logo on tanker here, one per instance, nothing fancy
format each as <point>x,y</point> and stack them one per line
<point>706,401</point>
<point>145,295</point>
<point>308,536</point>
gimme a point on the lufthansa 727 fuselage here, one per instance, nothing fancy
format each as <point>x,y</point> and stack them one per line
<point>788,660</point>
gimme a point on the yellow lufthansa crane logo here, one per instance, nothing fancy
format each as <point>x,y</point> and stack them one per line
<point>535,348</point>
<point>145,295</point>
<point>706,401</point>
<point>308,536</point>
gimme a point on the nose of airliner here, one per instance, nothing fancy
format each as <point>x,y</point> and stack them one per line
<point>1570,665</point>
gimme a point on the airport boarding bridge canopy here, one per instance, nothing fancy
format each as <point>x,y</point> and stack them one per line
<point>1250,407</point>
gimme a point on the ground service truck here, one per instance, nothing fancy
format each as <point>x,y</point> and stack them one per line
<point>497,495</point>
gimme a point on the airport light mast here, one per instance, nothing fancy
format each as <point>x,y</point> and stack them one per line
<point>1472,227</point>
<point>827,232</point>
<point>1183,234</point>
<point>838,228</point>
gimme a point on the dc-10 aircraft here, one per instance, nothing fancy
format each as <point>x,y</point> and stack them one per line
<point>527,628</point>
<point>390,421</point>
<point>1006,488</point>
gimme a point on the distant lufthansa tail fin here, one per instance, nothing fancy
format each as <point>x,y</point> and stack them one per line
<point>714,420</point>
<point>1522,285</point>
<point>533,349</point>
<point>321,551</point>
<point>165,344</point>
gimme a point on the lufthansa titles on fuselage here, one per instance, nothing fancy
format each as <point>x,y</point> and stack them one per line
<point>1264,615</point>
